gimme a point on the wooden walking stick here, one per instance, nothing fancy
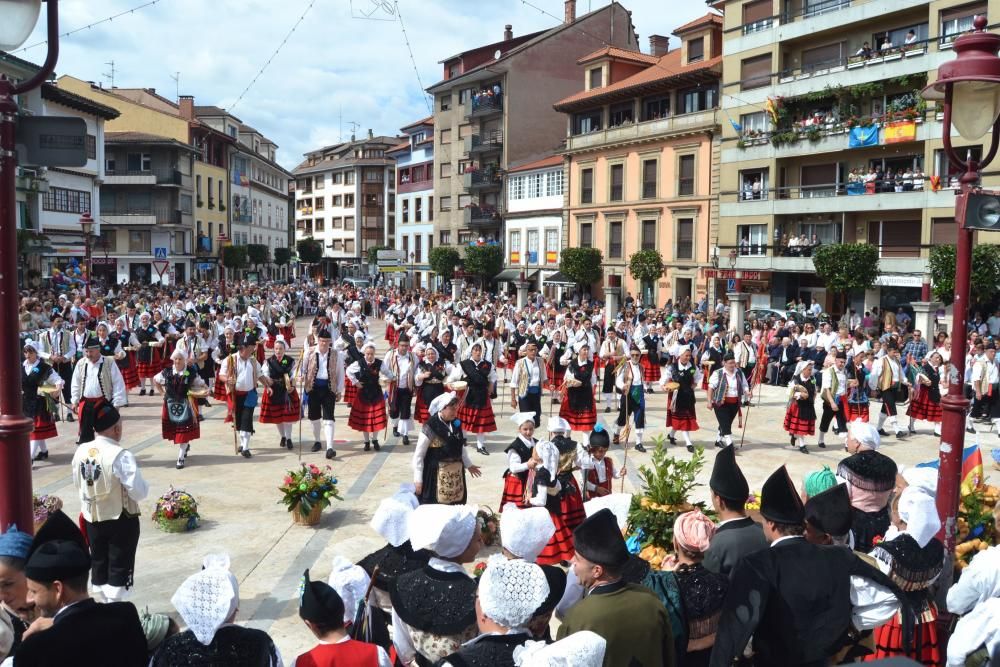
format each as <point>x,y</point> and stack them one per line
<point>231,387</point>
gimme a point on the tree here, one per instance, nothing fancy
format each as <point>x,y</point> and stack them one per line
<point>582,265</point>
<point>258,254</point>
<point>282,256</point>
<point>985,272</point>
<point>484,261</point>
<point>310,251</point>
<point>235,257</point>
<point>373,254</point>
<point>646,266</point>
<point>443,261</point>
<point>846,267</point>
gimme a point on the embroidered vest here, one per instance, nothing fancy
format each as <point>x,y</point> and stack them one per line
<point>312,368</point>
<point>103,378</point>
<point>102,495</point>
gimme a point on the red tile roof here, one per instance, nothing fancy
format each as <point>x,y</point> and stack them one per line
<point>551,161</point>
<point>620,54</point>
<point>667,67</point>
<point>398,147</point>
<point>707,19</point>
<point>423,121</point>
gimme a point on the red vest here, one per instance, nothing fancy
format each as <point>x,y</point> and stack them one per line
<point>592,475</point>
<point>350,653</point>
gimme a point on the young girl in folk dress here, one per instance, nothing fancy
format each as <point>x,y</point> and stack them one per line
<point>476,410</point>
<point>280,405</point>
<point>856,397</point>
<point>227,346</point>
<point>519,460</point>
<point>36,373</point>
<point>926,403</point>
<point>148,355</point>
<point>800,416</point>
<point>681,415</point>
<point>566,506</point>
<point>579,409</point>
<point>127,365</point>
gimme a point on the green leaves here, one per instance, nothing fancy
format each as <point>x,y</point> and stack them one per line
<point>282,256</point>
<point>234,257</point>
<point>484,261</point>
<point>847,266</point>
<point>443,261</point>
<point>258,254</point>
<point>310,251</point>
<point>646,265</point>
<point>985,272</point>
<point>582,265</point>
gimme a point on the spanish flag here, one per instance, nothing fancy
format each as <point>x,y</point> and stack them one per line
<point>972,468</point>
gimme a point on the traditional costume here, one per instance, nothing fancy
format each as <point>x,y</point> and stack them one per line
<point>834,384</point>
<point>566,503</point>
<point>871,478</point>
<point>55,349</point>
<point>888,378</point>
<point>227,346</point>
<point>323,381</point>
<point>926,403</point>
<point>800,415</point>
<point>856,398</point>
<point>148,357</point>
<point>40,408</point>
<point>127,364</point>
<point>736,537</point>
<point>440,459</point>
<point>727,390</point>
<point>702,591</point>
<point>403,368</point>
<point>475,410</point>
<point>527,381</point>
<point>241,377</point>
<point>179,419</point>
<point>681,414</point>
<point>281,405</point>
<point>14,620</point>
<point>515,478</point>
<point>579,408</point>
<point>612,352</point>
<point>95,383</point>
<point>431,386</point>
<point>368,410</point>
<point>632,404</point>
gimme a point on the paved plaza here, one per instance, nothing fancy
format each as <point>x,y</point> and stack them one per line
<point>239,500</point>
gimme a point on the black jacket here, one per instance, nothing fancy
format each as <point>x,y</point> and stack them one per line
<point>88,634</point>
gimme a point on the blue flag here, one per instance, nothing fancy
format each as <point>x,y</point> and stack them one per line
<point>864,136</point>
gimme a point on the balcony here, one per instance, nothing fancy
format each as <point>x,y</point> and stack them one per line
<point>482,216</point>
<point>690,122</point>
<point>485,105</point>
<point>141,216</point>
<point>893,259</point>
<point>160,176</point>
<point>878,60</point>
<point>836,198</point>
<point>482,180</point>
<point>816,15</point>
<point>305,210</point>
<point>478,144</point>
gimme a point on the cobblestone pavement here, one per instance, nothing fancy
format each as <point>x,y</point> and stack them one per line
<point>241,514</point>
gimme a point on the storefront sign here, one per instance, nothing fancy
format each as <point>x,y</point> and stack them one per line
<point>726,274</point>
<point>890,280</point>
<point>101,261</point>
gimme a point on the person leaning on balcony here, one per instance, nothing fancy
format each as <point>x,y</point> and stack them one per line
<point>911,38</point>
<point>886,45</point>
<point>756,188</point>
<point>918,179</point>
<point>865,51</point>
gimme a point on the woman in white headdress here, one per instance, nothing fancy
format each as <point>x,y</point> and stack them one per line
<point>368,413</point>
<point>38,406</point>
<point>800,415</point>
<point>179,418</point>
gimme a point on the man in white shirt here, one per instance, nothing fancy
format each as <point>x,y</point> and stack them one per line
<point>324,383</point>
<point>95,380</point>
<point>993,323</point>
<point>526,383</point>
<point>402,364</point>
<point>727,388</point>
<point>629,382</point>
<point>241,373</point>
<point>834,387</point>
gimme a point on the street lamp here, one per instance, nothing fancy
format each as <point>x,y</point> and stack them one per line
<point>87,225</point>
<point>222,265</point>
<point>19,17</point>
<point>736,274</point>
<point>969,89</point>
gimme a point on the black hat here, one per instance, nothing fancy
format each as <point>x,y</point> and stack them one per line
<point>641,317</point>
<point>130,305</point>
<point>779,501</point>
<point>489,326</point>
<point>188,323</point>
<point>320,603</point>
<point>599,540</point>
<point>830,511</point>
<point>93,343</point>
<point>599,437</point>
<point>248,340</point>
<point>58,551</point>
<point>727,479</point>
<point>105,416</point>
<point>729,356</point>
<point>891,345</point>
<point>556,579</point>
<point>841,354</point>
<point>323,333</point>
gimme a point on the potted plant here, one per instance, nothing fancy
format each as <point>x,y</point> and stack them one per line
<point>176,511</point>
<point>307,492</point>
<point>45,505</point>
<point>813,134</point>
<point>740,143</point>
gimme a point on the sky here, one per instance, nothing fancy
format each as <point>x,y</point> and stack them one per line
<point>336,67</point>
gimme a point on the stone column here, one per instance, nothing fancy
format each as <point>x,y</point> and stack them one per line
<point>923,317</point>
<point>522,293</point>
<point>737,311</point>
<point>612,299</point>
<point>457,285</point>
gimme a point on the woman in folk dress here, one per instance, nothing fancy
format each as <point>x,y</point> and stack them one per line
<point>800,415</point>
<point>34,373</point>
<point>368,413</point>
<point>856,397</point>
<point>281,405</point>
<point>926,403</point>
<point>476,410</point>
<point>226,346</point>
<point>127,365</point>
<point>148,356</point>
<point>579,408</point>
<point>431,375</point>
<point>175,383</point>
<point>681,414</point>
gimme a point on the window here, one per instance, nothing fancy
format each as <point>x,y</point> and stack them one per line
<point>138,241</point>
<point>464,237</point>
<point>895,238</point>
<point>320,181</point>
<point>752,240</point>
<point>139,202</point>
<point>957,20</point>
<point>337,201</point>
<point>535,187</point>
<point>826,232</point>
<point>406,211</point>
<point>446,203</point>
<point>140,162</point>
<point>944,231</point>
<point>336,245</point>
<point>586,186</point>
<point>349,223</point>
<point>596,77</point>
<point>551,246</point>
<point>446,170</point>
<point>62,200</point>
<point>657,107</point>
<point>336,223</point>
<point>554,184</point>
<point>533,246</point>
<point>823,57</point>
<point>753,184</point>
<point>109,165</point>
<point>587,122</point>
<point>446,136</point>
<point>320,204</point>
<point>685,177</point>
<point>699,99</point>
<point>319,225</point>
<point>649,177</point>
<point>464,201</point>
<point>757,16</point>
<point>515,187</point>
<point>819,180</point>
<point>197,187</point>
<point>586,235</point>
<point>445,237</point>
<point>349,246</point>
<point>446,102</point>
<point>617,180</point>
<point>337,178</point>
<point>944,170</point>
<point>755,72</point>
<point>186,204</point>
<point>752,123</point>
<point>649,234</point>
<point>696,49</point>
<point>418,210</point>
<point>417,250</point>
<point>348,178</point>
<point>515,245</point>
<point>406,247</point>
<point>685,238</point>
<point>622,114</point>
<point>615,240</point>
<point>463,97</point>
<point>90,143</point>
<point>464,131</point>
<point>349,200</point>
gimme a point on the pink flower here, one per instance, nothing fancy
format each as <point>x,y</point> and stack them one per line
<point>288,480</point>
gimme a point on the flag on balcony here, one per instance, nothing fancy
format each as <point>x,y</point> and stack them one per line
<point>863,136</point>
<point>903,130</point>
<point>515,257</point>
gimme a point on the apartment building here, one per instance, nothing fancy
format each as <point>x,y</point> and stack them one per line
<point>345,196</point>
<point>830,141</point>
<point>415,202</point>
<point>642,146</point>
<point>493,109</point>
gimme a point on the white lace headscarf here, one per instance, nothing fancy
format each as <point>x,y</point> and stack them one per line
<point>208,599</point>
<point>580,649</point>
<point>511,591</point>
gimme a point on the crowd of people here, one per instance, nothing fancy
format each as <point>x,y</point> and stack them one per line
<point>733,587</point>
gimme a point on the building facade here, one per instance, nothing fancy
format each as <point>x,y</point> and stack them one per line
<point>415,202</point>
<point>642,153</point>
<point>831,142</point>
<point>345,197</point>
<point>534,224</point>
<point>493,109</point>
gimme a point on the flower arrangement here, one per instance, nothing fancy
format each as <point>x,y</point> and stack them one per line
<point>45,505</point>
<point>489,525</point>
<point>308,488</point>
<point>975,523</point>
<point>753,502</point>
<point>176,511</point>
<point>478,570</point>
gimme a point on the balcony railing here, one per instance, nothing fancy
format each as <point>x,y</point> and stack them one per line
<point>907,184</point>
<point>482,179</point>
<point>633,131</point>
<point>141,216</point>
<point>811,9</point>
<point>159,176</point>
<point>483,143</point>
<point>788,256</point>
<point>485,104</point>
<point>482,216</point>
<point>838,65</point>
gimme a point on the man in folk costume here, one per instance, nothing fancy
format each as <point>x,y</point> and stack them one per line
<point>737,535</point>
<point>834,384</point>
<point>727,389</point>
<point>179,419</point>
<point>871,478</point>
<point>613,352</point>
<point>41,409</point>
<point>794,617</point>
<point>242,374</point>
<point>433,608</point>
<point>368,410</point>
<point>96,380</point>
<point>281,404</point>
<point>926,403</point>
<point>629,381</point>
<point>509,593</point>
<point>55,349</point>
<point>110,485</point>
<point>148,356</point>
<point>746,358</point>
<point>890,380</point>
<point>402,363</point>
<point>465,340</point>
<point>985,381</point>
<point>323,375</point>
<point>629,616</point>
<point>527,381</point>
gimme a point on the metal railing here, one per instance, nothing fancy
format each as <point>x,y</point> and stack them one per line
<point>483,178</point>
<point>482,216</point>
<point>811,9</point>
<point>906,185</point>
<point>483,104</point>
<point>163,176</point>
<point>162,215</point>
<point>874,58</point>
<point>488,141</point>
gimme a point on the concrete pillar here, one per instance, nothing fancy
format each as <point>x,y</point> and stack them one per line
<point>612,299</point>
<point>737,311</point>
<point>923,317</point>
<point>457,285</point>
<point>522,293</point>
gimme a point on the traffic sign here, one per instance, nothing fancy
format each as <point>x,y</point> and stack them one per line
<point>160,267</point>
<point>731,285</point>
<point>160,253</point>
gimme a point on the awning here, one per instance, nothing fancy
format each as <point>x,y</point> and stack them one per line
<point>558,278</point>
<point>510,275</point>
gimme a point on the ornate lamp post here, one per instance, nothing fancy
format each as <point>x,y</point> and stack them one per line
<point>969,88</point>
<point>87,225</point>
<point>223,239</point>
<point>19,18</point>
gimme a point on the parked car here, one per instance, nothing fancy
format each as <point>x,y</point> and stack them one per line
<point>765,313</point>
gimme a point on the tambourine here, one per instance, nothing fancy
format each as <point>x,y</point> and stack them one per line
<point>198,393</point>
<point>156,343</point>
<point>48,390</point>
<point>708,362</point>
<point>461,385</point>
<point>672,386</point>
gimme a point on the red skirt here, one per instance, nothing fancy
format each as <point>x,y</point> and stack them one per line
<point>889,642</point>
<point>650,371</point>
<point>796,426</point>
<point>571,515</point>
<point>367,417</point>
<point>513,491</point>
<point>579,420</point>
<point>219,392</point>
<point>260,354</point>
<point>280,413</point>
<point>269,343</point>
<point>477,420</point>
<point>390,334</point>
<point>180,433</point>
<point>856,411</point>
<point>557,379</point>
<point>165,353</point>
<point>289,333</point>
<point>148,369</point>
<point>350,392</point>
<point>45,426</point>
<point>681,421</point>
<point>130,374</point>
<point>420,412</point>
<point>922,407</point>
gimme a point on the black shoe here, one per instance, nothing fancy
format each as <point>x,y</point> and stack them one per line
<point>246,453</point>
<point>41,456</point>
<point>821,445</point>
<point>206,404</point>
<point>835,431</point>
<point>395,432</point>
<point>375,445</point>
<point>650,391</point>
<point>281,445</point>
<point>970,430</point>
<point>607,410</point>
<point>330,453</point>
<point>803,449</point>
<point>289,443</point>
<point>614,440</point>
<point>912,430</point>
<point>368,446</point>
<point>902,435</point>
<point>70,417</point>
<point>555,401</point>
<point>142,392</point>
<point>180,464</point>
<point>690,448</point>
<point>791,440</point>
<point>882,431</point>
<point>316,447</point>
<point>482,450</point>
<point>406,440</point>
<point>639,447</point>
<point>201,417</point>
<point>672,439</point>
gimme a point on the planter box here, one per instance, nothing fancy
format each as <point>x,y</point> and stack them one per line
<point>893,56</point>
<point>857,65</point>
<point>838,68</point>
<point>915,52</point>
<point>804,75</point>
<point>786,79</point>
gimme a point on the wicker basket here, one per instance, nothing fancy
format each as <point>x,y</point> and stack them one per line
<point>178,525</point>
<point>310,519</point>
